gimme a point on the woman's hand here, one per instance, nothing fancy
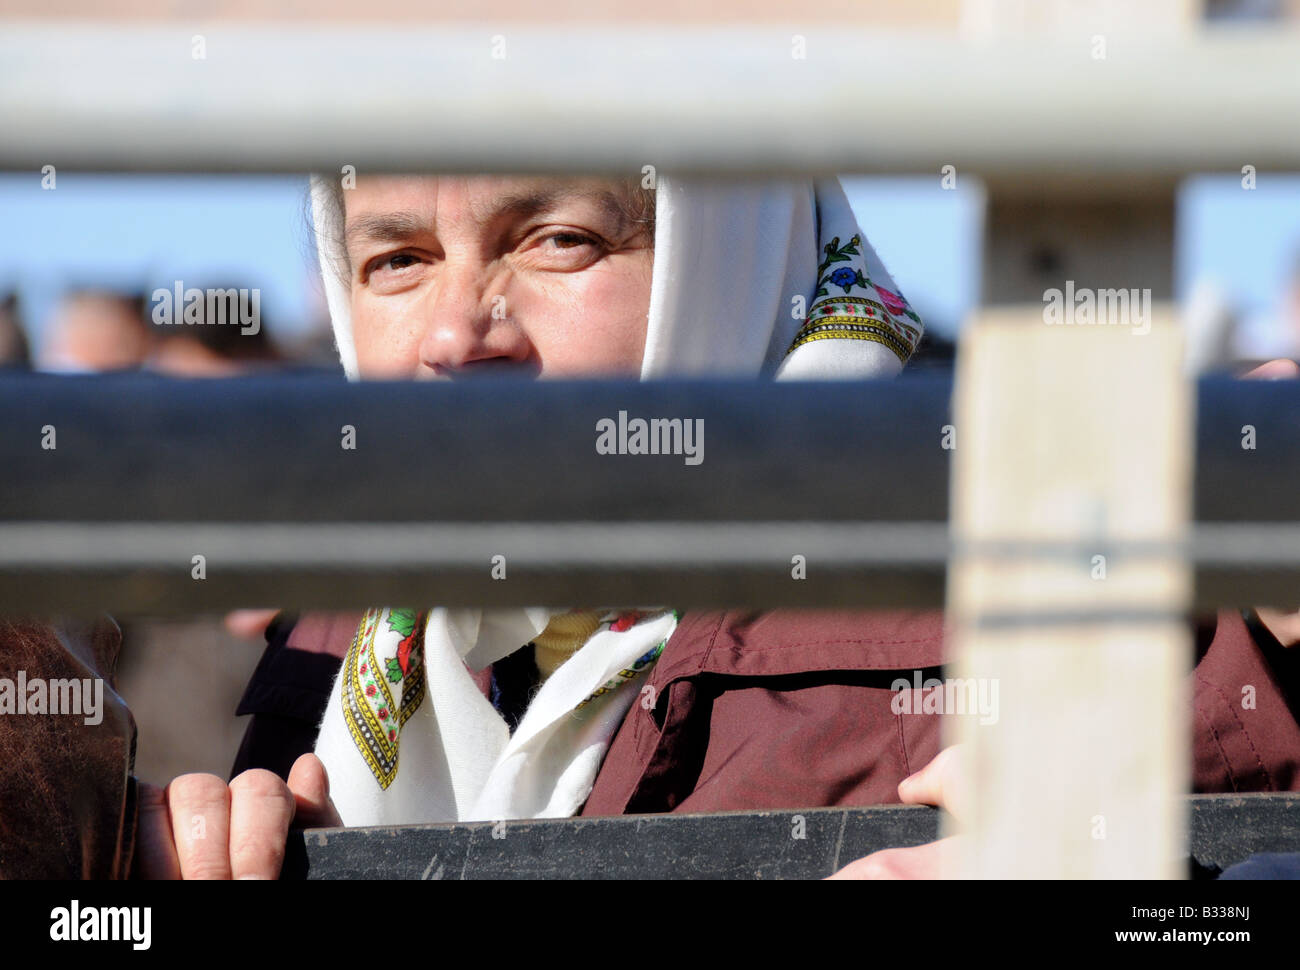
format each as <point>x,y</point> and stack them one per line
<point>198,827</point>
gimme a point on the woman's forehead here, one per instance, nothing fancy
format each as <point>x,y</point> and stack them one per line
<point>483,197</point>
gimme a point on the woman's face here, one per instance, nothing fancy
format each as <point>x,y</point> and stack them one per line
<point>460,277</point>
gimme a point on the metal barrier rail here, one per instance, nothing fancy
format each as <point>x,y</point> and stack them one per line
<point>252,475</point>
<point>1225,829</point>
<point>512,97</point>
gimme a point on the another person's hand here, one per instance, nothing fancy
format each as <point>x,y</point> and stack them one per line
<point>1274,370</point>
<point>938,783</point>
<point>249,624</point>
<point>198,827</point>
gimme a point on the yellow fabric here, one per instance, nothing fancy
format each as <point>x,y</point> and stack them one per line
<point>562,638</point>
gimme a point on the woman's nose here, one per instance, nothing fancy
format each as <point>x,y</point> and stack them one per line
<point>470,329</point>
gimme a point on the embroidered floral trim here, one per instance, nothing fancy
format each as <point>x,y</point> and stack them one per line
<point>385,659</point>
<point>844,317</point>
<point>859,309</point>
<point>637,667</point>
<point>836,329</point>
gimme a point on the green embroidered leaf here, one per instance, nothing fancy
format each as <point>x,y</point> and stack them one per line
<point>821,291</point>
<point>402,621</point>
<point>394,670</point>
<point>912,315</point>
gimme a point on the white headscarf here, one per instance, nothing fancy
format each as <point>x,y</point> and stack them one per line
<point>770,278</point>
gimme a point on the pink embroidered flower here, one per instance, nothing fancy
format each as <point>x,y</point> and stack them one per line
<point>383,713</point>
<point>392,735</point>
<point>371,690</point>
<point>892,301</point>
<point>363,668</point>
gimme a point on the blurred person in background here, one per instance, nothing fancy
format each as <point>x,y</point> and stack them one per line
<point>211,349</point>
<point>96,331</point>
<point>15,353</point>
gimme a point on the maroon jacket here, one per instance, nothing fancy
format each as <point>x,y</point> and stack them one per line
<point>754,710</point>
<point>67,800</point>
<point>791,709</point>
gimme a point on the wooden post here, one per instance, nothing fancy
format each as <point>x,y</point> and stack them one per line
<point>1079,436</point>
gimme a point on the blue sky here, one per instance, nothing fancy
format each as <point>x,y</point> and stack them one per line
<point>1247,242</point>
<point>125,230</point>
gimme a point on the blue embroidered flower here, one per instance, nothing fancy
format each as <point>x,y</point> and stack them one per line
<point>844,277</point>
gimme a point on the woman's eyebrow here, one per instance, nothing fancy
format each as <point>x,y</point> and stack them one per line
<point>528,204</point>
<point>385,228</point>
<point>390,227</point>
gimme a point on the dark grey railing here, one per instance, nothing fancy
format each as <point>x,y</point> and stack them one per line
<point>795,844</point>
<point>252,475</point>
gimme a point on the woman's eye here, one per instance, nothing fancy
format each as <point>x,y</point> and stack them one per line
<point>567,251</point>
<point>570,240</point>
<point>394,272</point>
<point>396,262</point>
<point>392,268</point>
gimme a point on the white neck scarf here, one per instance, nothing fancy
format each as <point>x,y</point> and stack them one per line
<point>770,279</point>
